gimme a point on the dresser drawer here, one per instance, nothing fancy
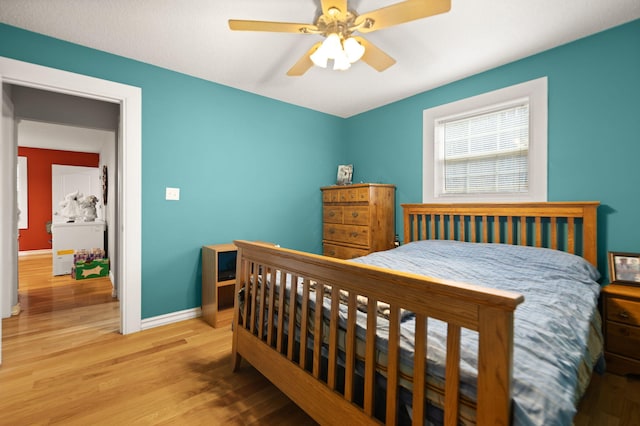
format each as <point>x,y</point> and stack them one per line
<point>356,215</point>
<point>623,339</point>
<point>331,195</point>
<point>346,195</point>
<point>342,252</point>
<point>346,234</point>
<point>353,195</point>
<point>332,214</point>
<point>623,311</point>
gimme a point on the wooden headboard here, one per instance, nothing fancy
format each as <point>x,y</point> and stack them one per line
<point>566,226</point>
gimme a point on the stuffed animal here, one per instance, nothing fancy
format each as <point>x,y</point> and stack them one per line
<point>88,205</point>
<point>70,207</point>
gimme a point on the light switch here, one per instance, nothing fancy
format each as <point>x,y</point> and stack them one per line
<point>172,194</point>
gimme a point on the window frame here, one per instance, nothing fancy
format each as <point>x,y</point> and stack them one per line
<point>432,171</point>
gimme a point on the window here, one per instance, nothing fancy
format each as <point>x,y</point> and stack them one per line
<point>491,147</point>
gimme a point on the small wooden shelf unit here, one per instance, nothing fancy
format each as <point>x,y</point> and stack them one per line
<point>217,292</point>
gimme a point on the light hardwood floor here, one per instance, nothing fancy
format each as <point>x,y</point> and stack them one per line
<point>65,363</point>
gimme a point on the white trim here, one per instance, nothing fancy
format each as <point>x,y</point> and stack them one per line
<point>171,318</point>
<point>536,92</point>
<point>129,227</point>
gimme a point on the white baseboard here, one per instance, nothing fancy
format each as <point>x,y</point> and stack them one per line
<point>32,252</point>
<point>170,318</point>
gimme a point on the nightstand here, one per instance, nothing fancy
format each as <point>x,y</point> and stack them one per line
<point>218,283</point>
<point>621,305</point>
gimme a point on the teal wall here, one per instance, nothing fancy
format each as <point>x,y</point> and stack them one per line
<point>593,134</point>
<point>248,167</point>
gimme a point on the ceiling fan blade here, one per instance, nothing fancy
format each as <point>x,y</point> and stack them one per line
<point>374,56</point>
<point>402,12</point>
<point>279,27</point>
<point>303,63</point>
<point>341,5</point>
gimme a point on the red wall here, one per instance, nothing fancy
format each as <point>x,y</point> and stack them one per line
<point>39,163</point>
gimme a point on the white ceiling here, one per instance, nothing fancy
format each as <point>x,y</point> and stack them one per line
<point>193,37</point>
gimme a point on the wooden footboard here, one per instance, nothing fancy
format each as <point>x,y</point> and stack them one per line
<point>267,339</point>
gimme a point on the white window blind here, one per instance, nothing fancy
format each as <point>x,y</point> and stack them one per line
<point>486,153</point>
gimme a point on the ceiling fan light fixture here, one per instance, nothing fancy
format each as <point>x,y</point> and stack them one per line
<point>353,50</point>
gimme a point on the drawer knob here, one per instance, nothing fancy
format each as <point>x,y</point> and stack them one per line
<point>624,332</point>
<point>354,234</point>
<point>332,231</point>
<point>332,213</point>
<point>354,214</point>
<point>623,314</point>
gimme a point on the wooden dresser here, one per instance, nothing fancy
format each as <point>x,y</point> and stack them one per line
<point>622,328</point>
<point>357,219</point>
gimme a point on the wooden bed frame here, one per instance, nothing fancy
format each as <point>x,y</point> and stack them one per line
<point>327,396</point>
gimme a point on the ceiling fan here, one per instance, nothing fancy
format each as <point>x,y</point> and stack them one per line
<point>338,24</point>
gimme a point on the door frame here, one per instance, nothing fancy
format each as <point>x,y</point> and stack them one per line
<point>129,220</point>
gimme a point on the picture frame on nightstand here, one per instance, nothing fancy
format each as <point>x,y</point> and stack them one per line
<point>624,268</point>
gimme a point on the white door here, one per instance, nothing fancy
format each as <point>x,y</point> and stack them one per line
<point>69,179</point>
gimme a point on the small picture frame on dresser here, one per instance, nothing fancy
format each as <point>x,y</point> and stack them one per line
<point>345,173</point>
<point>624,268</point>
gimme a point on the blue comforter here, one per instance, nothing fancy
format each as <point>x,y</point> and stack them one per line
<point>552,326</point>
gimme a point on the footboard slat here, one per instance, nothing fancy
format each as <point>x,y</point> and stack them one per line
<point>452,376</point>
<point>304,323</point>
<point>333,338</point>
<point>370,361</point>
<point>254,297</point>
<point>317,331</point>
<point>419,363</point>
<point>246,286</point>
<point>281,308</point>
<point>271,311</point>
<point>292,315</point>
<point>262,303</point>
<point>392,368</point>
<point>350,354</point>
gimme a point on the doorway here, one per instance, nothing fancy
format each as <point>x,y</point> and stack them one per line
<point>128,232</point>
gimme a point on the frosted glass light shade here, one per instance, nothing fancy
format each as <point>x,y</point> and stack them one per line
<point>353,49</point>
<point>340,62</point>
<point>319,57</point>
<point>332,46</point>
